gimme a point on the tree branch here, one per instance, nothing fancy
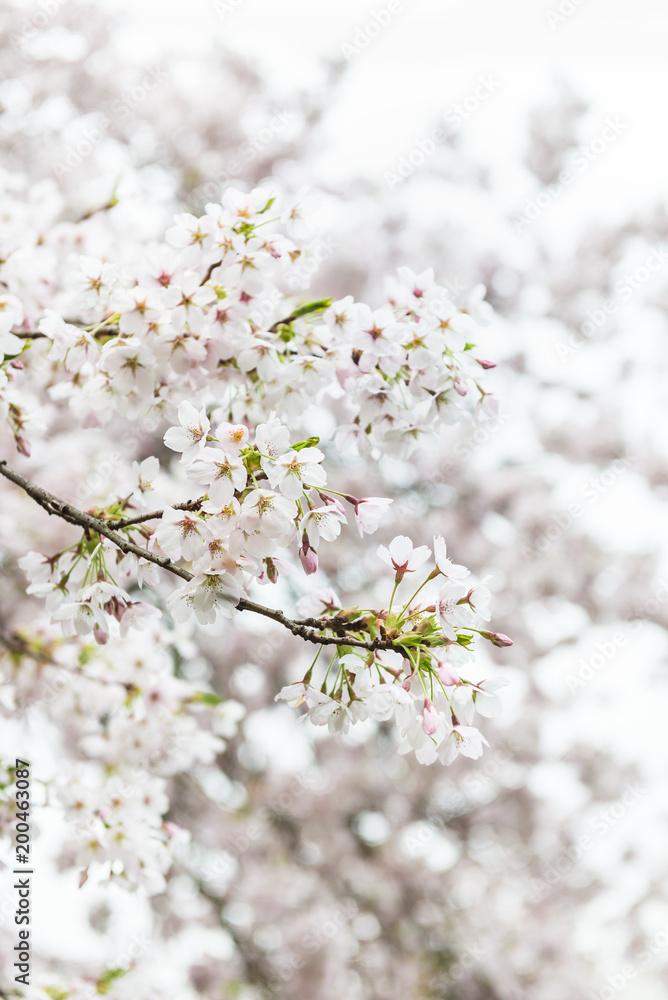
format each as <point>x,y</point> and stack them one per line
<point>53,505</point>
<point>13,643</point>
<point>126,522</point>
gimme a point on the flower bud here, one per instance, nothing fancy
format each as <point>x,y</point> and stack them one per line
<point>448,675</point>
<point>331,501</point>
<point>22,446</point>
<point>497,638</point>
<point>272,570</point>
<point>431,719</point>
<point>309,559</point>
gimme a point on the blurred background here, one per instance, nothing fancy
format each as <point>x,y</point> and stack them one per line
<point>519,145</point>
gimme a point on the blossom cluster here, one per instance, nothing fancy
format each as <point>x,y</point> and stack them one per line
<point>207,315</point>
<point>197,340</point>
<point>418,683</point>
<point>136,725</point>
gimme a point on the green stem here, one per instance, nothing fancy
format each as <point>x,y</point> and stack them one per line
<point>328,670</point>
<point>411,599</point>
<point>396,584</point>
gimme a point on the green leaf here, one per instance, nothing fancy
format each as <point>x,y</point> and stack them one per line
<point>308,443</point>
<point>206,698</point>
<point>267,206</point>
<point>252,461</point>
<point>409,639</point>
<point>469,347</point>
<point>56,994</point>
<point>107,979</point>
<point>310,307</point>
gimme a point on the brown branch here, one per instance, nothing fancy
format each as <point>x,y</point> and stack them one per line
<point>113,201</point>
<point>14,643</point>
<point>284,322</point>
<point>211,268</point>
<point>53,505</point>
<point>126,522</point>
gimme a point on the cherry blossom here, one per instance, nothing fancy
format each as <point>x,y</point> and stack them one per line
<point>403,557</point>
<point>465,740</point>
<point>182,534</point>
<point>190,437</point>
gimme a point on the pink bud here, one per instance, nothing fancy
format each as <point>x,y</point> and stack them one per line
<point>15,363</point>
<point>22,446</point>
<point>272,571</point>
<point>486,364</point>
<point>448,674</point>
<point>101,637</point>
<point>497,638</point>
<point>460,387</point>
<point>309,559</point>
<point>431,719</point>
<point>333,502</point>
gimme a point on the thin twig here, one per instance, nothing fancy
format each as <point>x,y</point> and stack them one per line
<point>15,644</point>
<point>284,322</point>
<point>53,505</point>
<point>126,522</point>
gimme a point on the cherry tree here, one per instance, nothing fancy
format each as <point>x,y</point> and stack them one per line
<point>210,400</point>
<point>147,675</point>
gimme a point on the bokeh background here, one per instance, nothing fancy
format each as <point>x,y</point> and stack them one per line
<point>541,871</point>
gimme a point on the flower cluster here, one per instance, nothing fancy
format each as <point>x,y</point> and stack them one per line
<point>419,682</point>
<point>207,316</point>
<point>198,340</point>
<point>136,725</point>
